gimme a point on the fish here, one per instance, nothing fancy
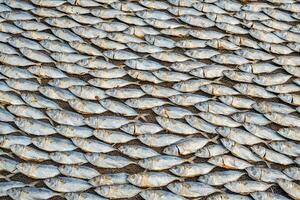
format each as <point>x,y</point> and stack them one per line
<point>239,150</point>
<point>162,162</point>
<point>139,128</point>
<point>118,191</point>
<point>159,140</point>
<point>229,162</point>
<point>112,137</point>
<point>291,188</point>
<point>262,132</point>
<point>29,153</point>
<point>67,184</point>
<point>107,161</point>
<point>271,156</point>
<point>31,193</point>
<point>51,144</point>
<point>68,157</point>
<point>176,126</point>
<point>38,171</point>
<point>77,171</point>
<point>82,195</point>
<point>266,174</point>
<point>266,195</point>
<point>220,177</point>
<point>109,179</point>
<point>191,169</point>
<point>151,179</point>
<point>246,187</point>
<point>187,146</point>
<point>91,145</point>
<point>211,151</point>
<point>106,122</point>
<point>159,194</point>
<point>192,189</point>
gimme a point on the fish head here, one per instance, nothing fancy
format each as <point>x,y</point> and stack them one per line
<point>150,38</point>
<point>20,122</point>
<point>203,153</point>
<point>199,6</point>
<point>148,194</point>
<point>103,191</point>
<point>207,88</point>
<point>171,150</point>
<point>159,110</point>
<point>65,169</point>
<point>128,128</point>
<point>147,88</point>
<point>123,149</point>
<point>175,186</point>
<point>264,45</point>
<point>228,144</point>
<point>239,117</point>
<point>226,99</point>
<point>288,98</point>
<point>240,15</point>
<point>258,107</point>
<point>224,131</point>
<point>25,167</point>
<point>216,160</point>
<point>268,10</point>
<point>16,147</point>
<point>259,150</point>
<point>254,172</point>
<point>72,196</point>
<point>241,87</point>
<point>135,178</point>
<point>52,182</point>
<point>111,92</point>
<point>203,106</point>
<point>234,39</point>
<point>174,10</point>
<point>211,16</point>
<point>38,141</point>
<point>116,5</point>
<point>14,193</point>
<point>257,195</point>
<point>109,54</point>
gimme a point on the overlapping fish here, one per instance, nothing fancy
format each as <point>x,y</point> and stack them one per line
<point>150,99</point>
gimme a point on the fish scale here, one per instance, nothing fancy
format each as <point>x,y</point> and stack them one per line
<point>106,99</point>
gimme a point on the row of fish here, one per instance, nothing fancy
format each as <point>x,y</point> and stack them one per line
<point>160,100</point>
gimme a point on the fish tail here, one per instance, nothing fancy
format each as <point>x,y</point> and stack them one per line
<point>217,80</point>
<point>141,116</point>
<point>215,139</point>
<point>33,183</point>
<point>191,159</point>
